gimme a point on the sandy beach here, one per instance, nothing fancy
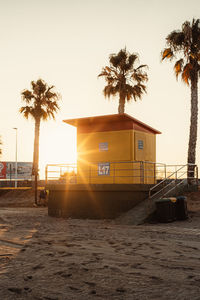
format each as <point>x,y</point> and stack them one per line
<point>52,258</point>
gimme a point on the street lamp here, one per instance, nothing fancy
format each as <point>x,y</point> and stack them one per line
<point>16,159</point>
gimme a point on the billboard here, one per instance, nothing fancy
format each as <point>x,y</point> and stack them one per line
<point>2,170</point>
<point>24,170</point>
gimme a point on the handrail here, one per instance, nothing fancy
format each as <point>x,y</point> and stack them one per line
<point>155,186</point>
<point>165,189</point>
<point>182,166</point>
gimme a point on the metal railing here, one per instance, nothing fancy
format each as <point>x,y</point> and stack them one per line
<point>139,172</point>
<point>181,176</point>
<point>112,172</point>
<point>58,173</point>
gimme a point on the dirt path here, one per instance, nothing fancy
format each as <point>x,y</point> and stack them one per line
<point>49,258</point>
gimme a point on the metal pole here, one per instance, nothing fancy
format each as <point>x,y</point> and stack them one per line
<point>36,186</point>
<point>197,178</point>
<point>142,171</point>
<point>154,173</point>
<point>90,174</point>
<point>46,172</point>
<point>10,176</point>
<point>113,172</point>
<point>176,182</point>
<point>16,159</point>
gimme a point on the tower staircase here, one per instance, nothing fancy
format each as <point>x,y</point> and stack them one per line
<point>176,183</point>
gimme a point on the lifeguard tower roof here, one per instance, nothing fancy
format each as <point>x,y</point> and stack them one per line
<point>109,123</point>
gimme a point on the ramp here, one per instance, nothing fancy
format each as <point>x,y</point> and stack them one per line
<point>135,216</point>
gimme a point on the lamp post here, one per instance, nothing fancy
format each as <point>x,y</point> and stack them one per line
<point>16,159</point>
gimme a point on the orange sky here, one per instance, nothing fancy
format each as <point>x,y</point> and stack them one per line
<point>67,43</point>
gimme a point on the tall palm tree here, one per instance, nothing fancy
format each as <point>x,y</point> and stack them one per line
<point>41,104</point>
<point>184,46</point>
<point>123,78</point>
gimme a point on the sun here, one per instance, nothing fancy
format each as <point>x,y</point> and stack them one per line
<point>57,145</point>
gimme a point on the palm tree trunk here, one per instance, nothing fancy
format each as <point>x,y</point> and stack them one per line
<point>36,154</point>
<point>193,127</point>
<point>121,106</point>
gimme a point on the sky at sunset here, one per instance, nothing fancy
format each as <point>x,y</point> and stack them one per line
<point>67,43</point>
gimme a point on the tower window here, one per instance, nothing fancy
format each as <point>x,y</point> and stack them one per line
<point>140,144</point>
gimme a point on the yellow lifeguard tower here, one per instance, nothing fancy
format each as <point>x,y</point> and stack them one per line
<point>115,149</point>
<point>116,170</point>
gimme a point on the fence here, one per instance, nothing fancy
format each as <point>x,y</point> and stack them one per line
<point>136,172</point>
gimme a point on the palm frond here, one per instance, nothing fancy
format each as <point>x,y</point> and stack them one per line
<point>132,59</point>
<point>141,66</point>
<point>44,115</point>
<point>27,96</point>
<point>110,90</point>
<point>119,60</point>
<point>108,69</point>
<point>175,40</point>
<point>139,76</point>
<point>187,33</point>
<point>186,73</point>
<point>178,67</point>
<point>196,32</point>
<point>110,76</point>
<point>27,111</point>
<point>143,88</point>
<point>137,91</point>
<point>52,106</point>
<point>104,72</point>
<point>167,53</point>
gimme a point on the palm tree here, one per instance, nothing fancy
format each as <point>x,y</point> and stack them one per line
<point>123,78</point>
<point>41,104</point>
<point>184,46</point>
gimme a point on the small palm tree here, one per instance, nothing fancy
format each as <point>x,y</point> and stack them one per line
<point>41,104</point>
<point>123,78</point>
<point>184,46</point>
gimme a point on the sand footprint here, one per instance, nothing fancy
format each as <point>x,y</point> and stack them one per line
<point>38,267</point>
